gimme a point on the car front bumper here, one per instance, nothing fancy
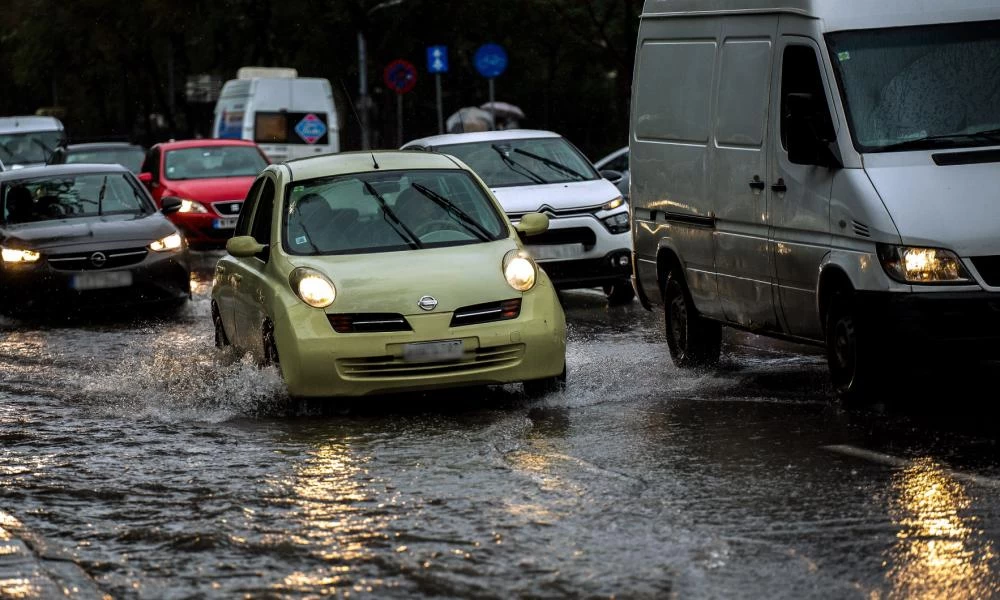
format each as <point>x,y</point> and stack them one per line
<point>318,362</point>
<point>201,230</point>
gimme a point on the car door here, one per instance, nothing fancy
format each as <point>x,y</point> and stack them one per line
<point>738,169</point>
<point>799,194</point>
<point>251,272</point>
<point>227,279</point>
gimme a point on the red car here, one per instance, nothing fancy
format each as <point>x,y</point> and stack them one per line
<point>211,178</point>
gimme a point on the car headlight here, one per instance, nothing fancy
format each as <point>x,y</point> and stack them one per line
<point>614,204</point>
<point>910,264</point>
<point>312,287</point>
<point>618,223</point>
<point>519,270</point>
<point>189,206</point>
<point>165,244</point>
<point>12,255</point>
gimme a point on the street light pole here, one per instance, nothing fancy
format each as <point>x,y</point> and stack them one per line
<point>364,100</point>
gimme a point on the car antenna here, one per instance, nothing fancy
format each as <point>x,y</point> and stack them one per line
<point>356,117</point>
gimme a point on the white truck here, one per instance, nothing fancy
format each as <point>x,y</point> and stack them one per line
<point>287,115</point>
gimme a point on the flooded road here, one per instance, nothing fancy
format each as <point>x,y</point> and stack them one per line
<point>167,469</point>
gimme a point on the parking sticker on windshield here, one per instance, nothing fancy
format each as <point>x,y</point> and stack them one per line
<point>301,240</point>
<point>842,56</point>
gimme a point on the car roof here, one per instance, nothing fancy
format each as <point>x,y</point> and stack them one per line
<point>361,162</point>
<point>202,143</point>
<point>60,170</point>
<point>104,146</point>
<point>29,123</point>
<point>482,136</point>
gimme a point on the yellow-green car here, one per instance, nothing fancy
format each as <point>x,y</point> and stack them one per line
<point>367,273</point>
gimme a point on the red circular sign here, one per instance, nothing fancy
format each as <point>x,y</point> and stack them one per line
<point>400,76</point>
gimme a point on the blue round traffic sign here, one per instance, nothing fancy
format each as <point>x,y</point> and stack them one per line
<point>491,60</point>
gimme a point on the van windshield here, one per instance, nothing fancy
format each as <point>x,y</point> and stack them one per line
<point>29,147</point>
<point>505,163</point>
<point>926,87</point>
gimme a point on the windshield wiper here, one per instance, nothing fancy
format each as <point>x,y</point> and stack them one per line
<point>460,215</point>
<point>48,151</point>
<point>552,164</point>
<point>390,217</point>
<point>946,140</point>
<point>518,167</point>
<point>100,197</point>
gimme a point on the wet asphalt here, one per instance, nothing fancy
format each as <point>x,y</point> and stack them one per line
<point>137,461</point>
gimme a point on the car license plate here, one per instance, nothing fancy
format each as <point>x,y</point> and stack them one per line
<point>433,351</point>
<point>101,281</point>
<point>225,223</point>
<point>555,251</point>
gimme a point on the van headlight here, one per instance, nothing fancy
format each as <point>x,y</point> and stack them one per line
<point>913,264</point>
<point>13,255</point>
<point>519,270</point>
<point>312,287</point>
<point>165,244</point>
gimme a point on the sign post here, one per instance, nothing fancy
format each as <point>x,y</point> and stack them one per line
<point>400,76</point>
<point>491,62</point>
<point>437,63</point>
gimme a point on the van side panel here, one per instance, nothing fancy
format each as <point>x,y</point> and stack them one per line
<point>671,127</point>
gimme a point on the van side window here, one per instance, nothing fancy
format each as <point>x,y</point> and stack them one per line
<point>243,223</point>
<point>800,75</point>
<point>261,229</point>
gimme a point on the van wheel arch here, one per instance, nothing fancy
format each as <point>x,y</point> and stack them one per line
<point>832,281</point>
<point>667,261</point>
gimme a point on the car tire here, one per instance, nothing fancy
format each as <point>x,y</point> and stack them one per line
<point>693,340</point>
<point>542,387</point>
<point>221,340</point>
<point>620,292</point>
<point>850,353</point>
<point>270,347</point>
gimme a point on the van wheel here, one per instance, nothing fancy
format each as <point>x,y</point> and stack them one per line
<point>620,292</point>
<point>849,353</point>
<point>221,341</point>
<point>693,340</point>
<point>270,347</point>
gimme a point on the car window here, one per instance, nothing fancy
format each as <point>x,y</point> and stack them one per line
<point>261,227</point>
<point>213,161</point>
<point>422,209</point>
<point>72,196</point>
<point>503,163</point>
<point>243,222</point>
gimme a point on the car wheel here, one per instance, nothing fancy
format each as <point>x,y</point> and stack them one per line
<point>620,292</point>
<point>221,341</point>
<point>693,340</point>
<point>270,347</point>
<point>849,353</point>
<point>542,387</point>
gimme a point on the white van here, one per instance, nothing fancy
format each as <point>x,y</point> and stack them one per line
<point>824,171</point>
<point>29,141</point>
<point>287,115</point>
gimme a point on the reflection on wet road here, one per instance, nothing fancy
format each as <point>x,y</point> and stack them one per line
<point>166,469</point>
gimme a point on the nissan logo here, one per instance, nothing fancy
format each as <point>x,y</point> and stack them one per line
<point>427,303</point>
<point>98,259</point>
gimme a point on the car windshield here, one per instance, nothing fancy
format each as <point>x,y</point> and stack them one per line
<point>504,163</point>
<point>209,162</point>
<point>28,148</point>
<point>72,196</point>
<point>130,158</point>
<point>389,211</point>
<point>920,87</point>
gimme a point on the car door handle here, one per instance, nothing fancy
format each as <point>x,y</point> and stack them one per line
<point>756,183</point>
<point>780,187</point>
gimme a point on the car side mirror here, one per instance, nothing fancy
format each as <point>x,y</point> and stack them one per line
<point>532,224</point>
<point>146,178</point>
<point>244,246</point>
<point>612,175</point>
<point>170,205</point>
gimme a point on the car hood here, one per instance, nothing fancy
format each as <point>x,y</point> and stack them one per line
<point>211,190</point>
<point>393,282</point>
<point>88,231</point>
<point>954,207</point>
<point>557,196</point>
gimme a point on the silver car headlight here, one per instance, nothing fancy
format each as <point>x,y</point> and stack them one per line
<point>914,264</point>
<point>519,270</point>
<point>312,287</point>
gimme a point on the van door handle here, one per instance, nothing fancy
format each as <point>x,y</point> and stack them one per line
<point>756,183</point>
<point>780,187</point>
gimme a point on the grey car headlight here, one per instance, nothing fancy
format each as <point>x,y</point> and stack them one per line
<point>914,264</point>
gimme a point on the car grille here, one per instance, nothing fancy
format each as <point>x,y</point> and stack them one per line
<point>989,269</point>
<point>84,261</point>
<point>486,313</point>
<point>570,235</point>
<point>368,323</point>
<point>228,208</point>
<point>392,367</point>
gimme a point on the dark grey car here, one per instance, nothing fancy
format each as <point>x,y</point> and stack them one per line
<point>86,236</point>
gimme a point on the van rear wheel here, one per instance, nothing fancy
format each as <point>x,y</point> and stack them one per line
<point>693,340</point>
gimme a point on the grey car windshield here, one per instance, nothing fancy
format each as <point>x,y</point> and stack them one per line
<point>505,163</point>
<point>389,211</point>
<point>920,87</point>
<point>71,196</point>
<point>28,148</point>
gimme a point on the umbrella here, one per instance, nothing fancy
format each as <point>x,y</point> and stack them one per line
<point>468,119</point>
<point>504,110</point>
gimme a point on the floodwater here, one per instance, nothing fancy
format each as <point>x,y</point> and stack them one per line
<point>168,469</point>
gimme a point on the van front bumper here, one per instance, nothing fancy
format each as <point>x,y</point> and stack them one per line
<point>966,323</point>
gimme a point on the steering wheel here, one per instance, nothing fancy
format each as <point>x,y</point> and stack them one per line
<point>55,211</point>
